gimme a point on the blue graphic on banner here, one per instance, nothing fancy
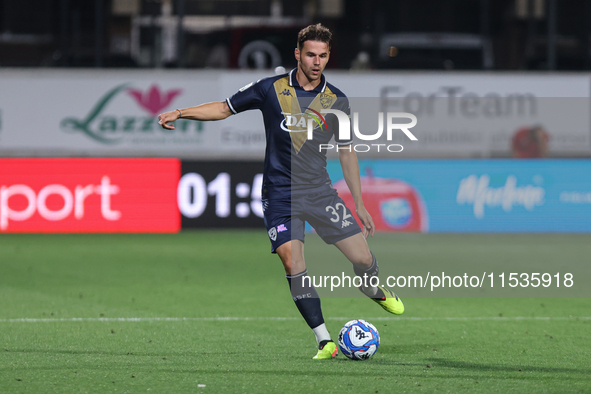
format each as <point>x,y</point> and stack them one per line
<point>484,195</point>
<point>396,211</point>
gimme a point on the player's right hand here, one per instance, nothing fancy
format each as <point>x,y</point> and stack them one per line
<point>165,120</point>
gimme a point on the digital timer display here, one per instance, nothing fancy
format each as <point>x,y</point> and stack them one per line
<point>221,194</point>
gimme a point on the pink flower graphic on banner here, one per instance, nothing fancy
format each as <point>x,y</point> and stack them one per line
<point>153,100</point>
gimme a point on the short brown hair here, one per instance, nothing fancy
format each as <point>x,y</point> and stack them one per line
<point>315,33</point>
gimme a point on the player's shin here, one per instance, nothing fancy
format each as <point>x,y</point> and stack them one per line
<point>307,301</point>
<point>369,279</point>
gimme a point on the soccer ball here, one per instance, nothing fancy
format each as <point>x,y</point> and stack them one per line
<point>359,340</point>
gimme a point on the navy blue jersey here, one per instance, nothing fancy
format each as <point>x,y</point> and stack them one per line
<point>293,162</point>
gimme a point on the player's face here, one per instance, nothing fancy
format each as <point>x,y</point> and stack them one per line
<point>312,58</point>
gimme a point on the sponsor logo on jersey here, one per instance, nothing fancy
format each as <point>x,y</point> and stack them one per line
<point>298,123</point>
<point>346,223</point>
<point>286,92</point>
<point>281,228</point>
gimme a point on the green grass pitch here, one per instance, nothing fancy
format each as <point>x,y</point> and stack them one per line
<point>242,332</point>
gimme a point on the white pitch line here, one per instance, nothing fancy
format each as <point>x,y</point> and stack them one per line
<point>237,318</point>
<point>487,318</point>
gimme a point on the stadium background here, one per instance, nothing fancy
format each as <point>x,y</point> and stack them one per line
<point>81,85</point>
<point>97,73</point>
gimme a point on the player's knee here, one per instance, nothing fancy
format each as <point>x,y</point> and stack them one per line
<point>363,260</point>
<point>287,265</point>
<point>293,266</point>
<point>284,253</point>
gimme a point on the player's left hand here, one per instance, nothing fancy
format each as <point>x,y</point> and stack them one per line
<point>368,227</point>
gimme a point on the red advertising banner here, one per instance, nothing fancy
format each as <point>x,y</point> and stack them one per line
<point>394,205</point>
<point>89,195</point>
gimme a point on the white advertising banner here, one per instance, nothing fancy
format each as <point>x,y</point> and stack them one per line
<point>113,112</point>
<point>108,113</point>
<point>476,114</point>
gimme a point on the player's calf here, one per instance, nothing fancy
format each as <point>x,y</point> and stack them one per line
<point>369,278</point>
<point>389,301</point>
<point>307,301</point>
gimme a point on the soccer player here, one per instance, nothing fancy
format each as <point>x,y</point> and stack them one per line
<point>296,185</point>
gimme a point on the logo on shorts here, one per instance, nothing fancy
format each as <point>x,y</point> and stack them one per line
<point>346,223</point>
<point>281,228</point>
<point>273,234</point>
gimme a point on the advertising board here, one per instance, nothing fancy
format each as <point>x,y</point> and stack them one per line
<point>475,195</point>
<point>89,195</point>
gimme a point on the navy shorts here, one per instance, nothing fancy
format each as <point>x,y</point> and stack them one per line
<point>325,211</point>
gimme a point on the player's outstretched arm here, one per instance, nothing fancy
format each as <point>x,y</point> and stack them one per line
<point>350,167</point>
<point>204,112</point>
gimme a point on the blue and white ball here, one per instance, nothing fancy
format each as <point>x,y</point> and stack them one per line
<point>359,340</point>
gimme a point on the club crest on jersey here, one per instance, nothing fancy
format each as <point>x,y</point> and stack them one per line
<point>273,234</point>
<point>326,100</point>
